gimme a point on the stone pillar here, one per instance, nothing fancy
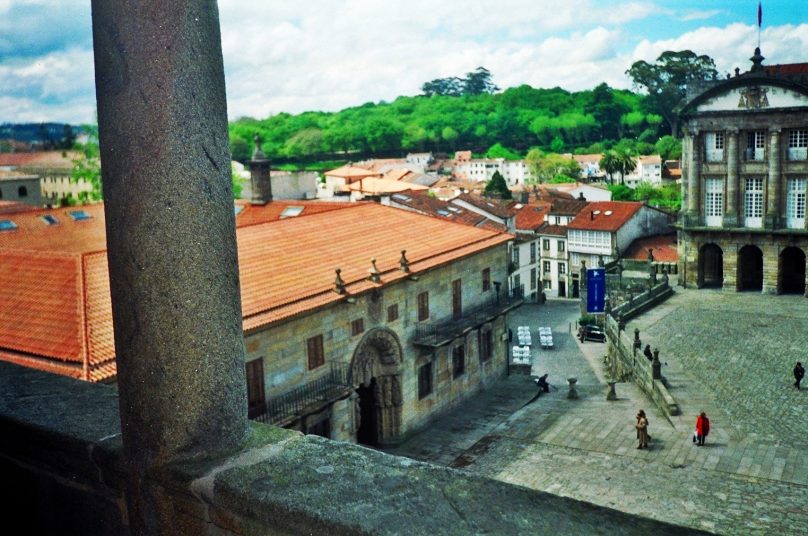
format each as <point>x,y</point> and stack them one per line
<point>656,366</point>
<point>260,182</point>
<point>772,217</point>
<point>731,213</point>
<point>572,393</point>
<point>162,119</point>
<point>693,177</point>
<point>612,394</point>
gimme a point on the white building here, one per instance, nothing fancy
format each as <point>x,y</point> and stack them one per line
<point>515,172</point>
<point>604,229</point>
<point>649,169</point>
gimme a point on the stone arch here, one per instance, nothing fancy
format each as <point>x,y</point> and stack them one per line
<point>711,266</point>
<point>376,375</point>
<point>791,271</point>
<point>750,268</point>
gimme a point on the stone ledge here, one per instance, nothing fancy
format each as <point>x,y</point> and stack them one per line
<point>281,482</point>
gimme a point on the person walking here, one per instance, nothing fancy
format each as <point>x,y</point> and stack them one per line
<point>647,352</point>
<point>642,430</point>
<point>799,372</point>
<point>702,428</point>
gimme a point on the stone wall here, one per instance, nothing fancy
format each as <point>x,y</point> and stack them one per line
<point>61,455</point>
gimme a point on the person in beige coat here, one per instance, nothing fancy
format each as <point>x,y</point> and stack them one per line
<point>642,430</point>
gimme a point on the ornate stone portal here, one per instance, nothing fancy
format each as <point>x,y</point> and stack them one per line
<point>378,356</point>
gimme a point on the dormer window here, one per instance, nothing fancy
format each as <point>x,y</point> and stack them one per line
<point>7,225</point>
<point>79,215</point>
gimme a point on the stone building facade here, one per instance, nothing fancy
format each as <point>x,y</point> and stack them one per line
<point>389,372</point>
<point>743,224</point>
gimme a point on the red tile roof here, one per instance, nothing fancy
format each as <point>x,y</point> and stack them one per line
<point>55,308</point>
<point>253,214</point>
<point>555,230</point>
<point>14,207</point>
<point>787,69</point>
<point>531,217</point>
<point>605,215</point>
<point>663,247</point>
<point>39,159</point>
<point>496,207</point>
<point>422,203</point>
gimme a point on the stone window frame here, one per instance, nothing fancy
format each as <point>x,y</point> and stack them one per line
<point>797,144</point>
<point>425,380</point>
<point>546,267</point>
<point>357,326</point>
<point>753,201</point>
<point>755,150</point>
<point>256,392</point>
<point>532,252</point>
<point>713,201</point>
<point>486,278</point>
<point>392,312</point>
<point>315,352</point>
<point>545,244</point>
<point>423,306</point>
<point>458,360</point>
<point>561,246</point>
<point>795,202</point>
<point>562,268</point>
<point>486,343</point>
<point>533,278</point>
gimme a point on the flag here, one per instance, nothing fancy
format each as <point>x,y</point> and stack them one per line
<point>760,14</point>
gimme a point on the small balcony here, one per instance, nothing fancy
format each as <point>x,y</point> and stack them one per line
<point>307,399</point>
<point>432,334</point>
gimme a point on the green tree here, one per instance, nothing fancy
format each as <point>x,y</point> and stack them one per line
<point>496,187</point>
<point>87,168</point>
<point>610,164</point>
<point>499,151</point>
<point>239,149</point>
<point>305,144</point>
<point>544,167</point>
<point>666,80</point>
<point>669,148</point>
<point>621,192</point>
<point>479,82</point>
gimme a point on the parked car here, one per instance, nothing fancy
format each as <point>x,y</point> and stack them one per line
<point>591,333</point>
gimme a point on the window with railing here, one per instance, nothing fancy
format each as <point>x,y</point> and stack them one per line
<point>532,279</point>
<point>562,268</point>
<point>795,203</point>
<point>714,146</point>
<point>546,266</point>
<point>753,202</point>
<point>713,202</point>
<point>798,145</point>
<point>755,146</point>
<point>532,252</point>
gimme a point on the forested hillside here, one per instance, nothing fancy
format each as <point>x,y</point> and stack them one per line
<point>518,118</point>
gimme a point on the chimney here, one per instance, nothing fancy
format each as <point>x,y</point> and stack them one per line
<point>259,175</point>
<point>525,197</point>
<point>591,214</point>
<point>581,196</point>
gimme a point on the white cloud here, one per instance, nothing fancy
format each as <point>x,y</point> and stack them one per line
<point>330,54</point>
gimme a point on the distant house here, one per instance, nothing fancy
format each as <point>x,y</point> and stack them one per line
<point>602,230</point>
<point>20,187</point>
<point>338,180</point>
<point>422,160</point>
<point>54,169</point>
<point>515,172</point>
<point>590,166</point>
<point>649,169</point>
<point>590,192</point>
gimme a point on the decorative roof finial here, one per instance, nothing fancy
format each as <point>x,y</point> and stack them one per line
<point>258,154</point>
<point>339,284</point>
<point>757,61</point>
<point>403,263</point>
<point>375,274</point>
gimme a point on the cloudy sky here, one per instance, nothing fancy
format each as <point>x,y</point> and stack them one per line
<point>292,56</point>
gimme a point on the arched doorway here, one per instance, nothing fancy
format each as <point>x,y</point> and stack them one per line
<point>750,268</point>
<point>376,376</point>
<point>791,271</point>
<point>711,266</point>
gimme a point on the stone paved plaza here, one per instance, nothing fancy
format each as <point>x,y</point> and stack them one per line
<point>727,354</point>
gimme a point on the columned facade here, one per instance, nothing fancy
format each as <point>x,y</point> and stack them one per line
<point>744,182</point>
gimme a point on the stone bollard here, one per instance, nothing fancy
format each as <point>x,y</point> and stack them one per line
<point>612,394</point>
<point>637,341</point>
<point>656,366</point>
<point>572,393</point>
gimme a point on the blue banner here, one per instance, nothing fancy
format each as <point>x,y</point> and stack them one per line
<point>595,290</point>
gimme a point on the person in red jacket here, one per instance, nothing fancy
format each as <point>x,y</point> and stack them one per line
<point>702,428</point>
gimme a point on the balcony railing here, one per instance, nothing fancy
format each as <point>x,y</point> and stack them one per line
<point>441,332</point>
<point>308,398</point>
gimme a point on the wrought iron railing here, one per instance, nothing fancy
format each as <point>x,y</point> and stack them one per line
<point>286,407</point>
<point>438,332</point>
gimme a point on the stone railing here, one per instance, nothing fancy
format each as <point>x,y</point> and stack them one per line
<point>625,358</point>
<point>61,454</point>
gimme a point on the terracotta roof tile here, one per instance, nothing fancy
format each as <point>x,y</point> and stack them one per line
<point>55,308</point>
<point>554,230</point>
<point>663,247</point>
<point>422,203</point>
<point>605,215</point>
<point>15,207</point>
<point>531,217</point>
<point>499,208</point>
<point>254,214</point>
